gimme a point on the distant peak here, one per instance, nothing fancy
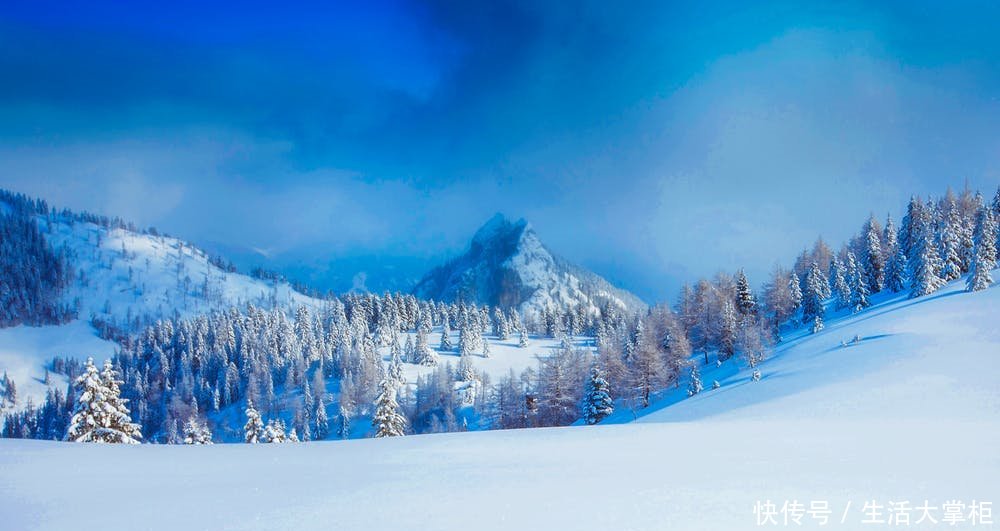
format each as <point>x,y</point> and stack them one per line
<point>497,226</point>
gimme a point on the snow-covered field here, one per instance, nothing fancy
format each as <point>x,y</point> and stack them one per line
<point>908,413</point>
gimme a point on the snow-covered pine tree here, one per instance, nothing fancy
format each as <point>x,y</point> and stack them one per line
<point>795,291</point>
<point>840,286</point>
<point>486,348</point>
<point>387,420</point>
<point>196,431</point>
<point>522,341</point>
<point>727,331</point>
<point>100,414</point>
<point>874,264</point>
<point>322,421</point>
<point>253,430</point>
<point>924,278</point>
<point>858,285</point>
<point>817,325</point>
<point>694,385</point>
<point>274,432</point>
<point>950,243</point>
<point>812,298</point>
<point>446,345</point>
<point>746,303</point>
<point>895,275</point>
<point>422,352</point>
<point>597,404</point>
<point>395,370</point>
<point>984,256</point>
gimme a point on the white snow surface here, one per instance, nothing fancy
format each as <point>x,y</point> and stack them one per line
<point>909,412</point>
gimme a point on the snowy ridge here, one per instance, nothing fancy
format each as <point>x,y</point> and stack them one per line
<point>507,265</point>
<point>125,275</point>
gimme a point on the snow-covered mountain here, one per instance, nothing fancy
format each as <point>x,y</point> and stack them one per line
<point>507,265</point>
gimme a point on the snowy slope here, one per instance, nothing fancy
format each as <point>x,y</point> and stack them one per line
<point>933,357</point>
<point>121,273</point>
<point>508,266</point>
<point>909,413</point>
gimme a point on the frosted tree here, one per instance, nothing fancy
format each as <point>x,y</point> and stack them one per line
<point>395,370</point>
<point>812,298</point>
<point>522,341</point>
<point>100,414</point>
<point>950,244</point>
<point>924,278</point>
<point>322,422</point>
<point>446,345</point>
<point>597,404</point>
<point>795,291</point>
<point>274,432</point>
<point>253,430</point>
<point>422,353</point>
<point>840,287</point>
<point>984,255</point>
<point>817,325</point>
<point>873,261</point>
<point>858,284</point>
<point>694,384</point>
<point>196,431</point>
<point>727,331</point>
<point>895,274</point>
<point>746,304</point>
<point>388,421</point>
<point>486,348</point>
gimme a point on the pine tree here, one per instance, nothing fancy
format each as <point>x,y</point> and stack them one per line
<point>322,422</point>
<point>984,257</point>
<point>423,355</point>
<point>951,267</point>
<point>796,292</point>
<point>387,420</point>
<point>746,304</point>
<point>196,432</point>
<point>694,386</point>
<point>598,404</point>
<point>873,267</point>
<point>274,432</point>
<point>817,325</point>
<point>727,331</point>
<point>812,298</point>
<point>101,414</point>
<point>446,345</point>
<point>858,285</point>
<point>924,278</point>
<point>895,277</point>
<point>253,430</point>
<point>486,348</point>
<point>840,286</point>
<point>522,341</point>
<point>395,371</point>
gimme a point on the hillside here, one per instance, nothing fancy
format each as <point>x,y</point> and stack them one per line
<point>909,413</point>
<point>507,265</point>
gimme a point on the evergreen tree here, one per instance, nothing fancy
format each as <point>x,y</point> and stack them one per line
<point>522,341</point>
<point>388,421</point>
<point>950,243</point>
<point>253,430</point>
<point>984,257</point>
<point>196,432</point>
<point>924,278</point>
<point>746,304</point>
<point>874,264</point>
<point>395,371</point>
<point>795,291</point>
<point>423,355</point>
<point>812,298</point>
<point>100,414</point>
<point>840,286</point>
<point>858,285</point>
<point>597,402</point>
<point>322,422</point>
<point>446,345</point>
<point>274,432</point>
<point>694,386</point>
<point>896,272</point>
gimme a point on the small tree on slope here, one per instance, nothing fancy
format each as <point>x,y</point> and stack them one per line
<point>984,257</point>
<point>597,404</point>
<point>695,387</point>
<point>387,420</point>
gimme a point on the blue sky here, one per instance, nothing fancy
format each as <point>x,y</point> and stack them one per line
<point>654,142</point>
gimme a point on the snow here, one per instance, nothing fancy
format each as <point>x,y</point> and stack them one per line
<point>25,351</point>
<point>907,413</point>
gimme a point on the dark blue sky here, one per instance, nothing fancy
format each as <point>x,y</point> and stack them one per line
<point>654,142</point>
